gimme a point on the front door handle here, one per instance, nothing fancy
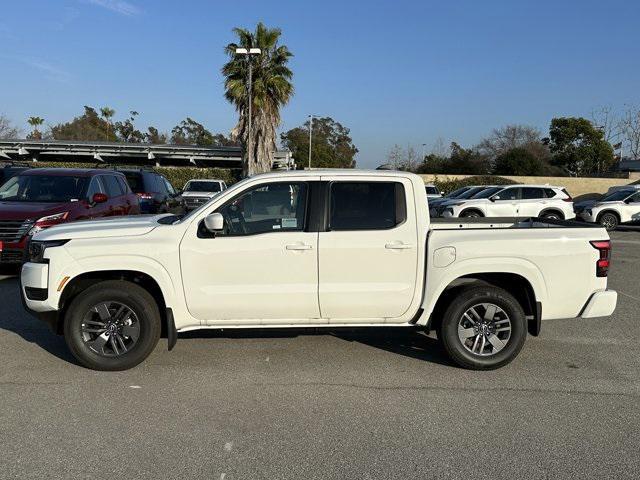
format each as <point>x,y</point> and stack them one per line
<point>299,246</point>
<point>398,246</point>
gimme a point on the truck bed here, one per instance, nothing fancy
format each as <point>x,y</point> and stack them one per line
<point>504,223</point>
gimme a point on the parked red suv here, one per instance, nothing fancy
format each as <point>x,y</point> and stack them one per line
<point>42,197</point>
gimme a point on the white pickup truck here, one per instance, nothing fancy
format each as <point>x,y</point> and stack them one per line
<point>314,249</point>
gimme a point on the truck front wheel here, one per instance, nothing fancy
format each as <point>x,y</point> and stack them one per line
<point>112,325</point>
<point>483,328</point>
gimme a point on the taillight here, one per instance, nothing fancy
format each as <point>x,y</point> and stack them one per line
<point>602,264</point>
<point>568,199</point>
<point>145,196</point>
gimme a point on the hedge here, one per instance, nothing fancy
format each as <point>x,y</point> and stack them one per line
<point>447,186</point>
<point>178,176</point>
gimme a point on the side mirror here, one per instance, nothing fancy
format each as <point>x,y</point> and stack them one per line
<point>214,222</point>
<point>99,198</point>
<point>493,199</point>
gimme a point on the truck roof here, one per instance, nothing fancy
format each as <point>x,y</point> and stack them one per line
<point>336,172</point>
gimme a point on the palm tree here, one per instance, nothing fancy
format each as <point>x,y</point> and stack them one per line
<point>107,113</point>
<point>271,89</point>
<point>35,122</point>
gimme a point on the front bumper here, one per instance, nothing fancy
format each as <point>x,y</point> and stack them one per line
<point>587,216</point>
<point>35,277</point>
<point>13,252</point>
<point>601,304</point>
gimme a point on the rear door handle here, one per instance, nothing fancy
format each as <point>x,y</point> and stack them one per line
<point>398,246</point>
<point>299,246</point>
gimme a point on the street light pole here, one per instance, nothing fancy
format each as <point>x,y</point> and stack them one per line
<point>248,52</point>
<point>310,130</point>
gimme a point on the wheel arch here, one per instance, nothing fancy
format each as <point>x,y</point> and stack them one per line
<point>553,210</point>
<point>514,283</point>
<point>609,210</point>
<point>81,282</point>
<point>471,209</point>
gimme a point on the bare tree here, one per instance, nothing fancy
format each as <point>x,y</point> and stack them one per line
<point>630,128</point>
<point>440,148</point>
<point>7,130</point>
<point>507,138</point>
<point>395,157</point>
<point>606,120</point>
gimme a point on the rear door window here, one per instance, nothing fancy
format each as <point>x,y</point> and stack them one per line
<point>550,193</point>
<point>134,179</point>
<point>366,205</point>
<point>531,193</point>
<point>112,186</point>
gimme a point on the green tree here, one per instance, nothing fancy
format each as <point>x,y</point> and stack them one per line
<point>190,132</point>
<point>331,144</point>
<point>35,122</point>
<point>518,161</point>
<point>579,147</point>
<point>271,89</point>
<point>127,131</point>
<point>154,136</point>
<point>107,114</point>
<point>87,127</point>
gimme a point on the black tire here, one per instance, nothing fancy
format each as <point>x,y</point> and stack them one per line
<point>552,215</point>
<point>471,214</point>
<point>609,220</point>
<point>116,292</point>
<point>474,297</point>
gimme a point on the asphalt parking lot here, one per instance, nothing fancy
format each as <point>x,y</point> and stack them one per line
<point>354,404</point>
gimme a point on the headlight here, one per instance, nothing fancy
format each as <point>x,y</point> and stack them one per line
<point>588,212</point>
<point>37,249</point>
<point>48,221</point>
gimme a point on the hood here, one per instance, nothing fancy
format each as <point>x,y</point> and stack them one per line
<point>31,210</point>
<point>199,194</point>
<point>602,204</point>
<point>586,203</point>
<point>465,201</point>
<point>116,227</point>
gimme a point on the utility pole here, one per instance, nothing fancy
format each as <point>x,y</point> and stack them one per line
<point>248,52</point>
<point>310,130</point>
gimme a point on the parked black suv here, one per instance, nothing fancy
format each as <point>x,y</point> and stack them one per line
<point>155,192</point>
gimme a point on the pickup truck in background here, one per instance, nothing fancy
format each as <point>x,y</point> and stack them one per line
<point>314,249</point>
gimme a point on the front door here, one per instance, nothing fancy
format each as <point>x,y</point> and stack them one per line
<point>263,268</point>
<point>504,203</point>
<point>369,256</point>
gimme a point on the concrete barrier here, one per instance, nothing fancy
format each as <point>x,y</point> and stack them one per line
<point>580,188</point>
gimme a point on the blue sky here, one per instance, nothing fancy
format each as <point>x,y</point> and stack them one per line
<point>405,72</point>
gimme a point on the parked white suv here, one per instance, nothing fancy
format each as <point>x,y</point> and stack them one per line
<point>544,201</point>
<point>621,206</point>
<point>199,191</point>
<point>432,191</point>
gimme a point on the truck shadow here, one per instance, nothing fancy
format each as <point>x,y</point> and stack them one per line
<point>400,341</point>
<point>14,319</point>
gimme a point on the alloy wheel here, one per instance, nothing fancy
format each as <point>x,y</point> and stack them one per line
<point>484,329</point>
<point>110,329</point>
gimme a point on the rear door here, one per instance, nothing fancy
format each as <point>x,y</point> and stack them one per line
<point>532,202</point>
<point>368,255</point>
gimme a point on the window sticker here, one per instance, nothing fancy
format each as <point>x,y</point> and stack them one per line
<point>289,223</point>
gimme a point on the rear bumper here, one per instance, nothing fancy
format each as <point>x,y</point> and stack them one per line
<point>601,304</point>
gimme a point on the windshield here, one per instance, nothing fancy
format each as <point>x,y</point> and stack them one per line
<point>458,192</point>
<point>617,196</point>
<point>196,186</point>
<point>43,188</point>
<point>471,192</point>
<point>487,192</point>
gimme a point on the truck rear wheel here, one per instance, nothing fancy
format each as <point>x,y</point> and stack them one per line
<point>483,328</point>
<point>112,325</point>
